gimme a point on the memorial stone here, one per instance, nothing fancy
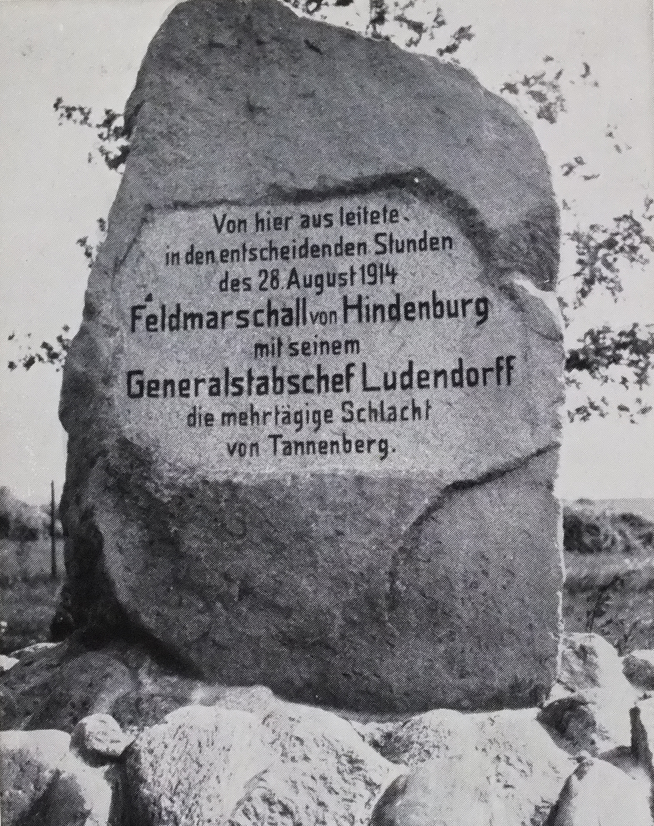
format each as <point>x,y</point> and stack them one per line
<point>313,407</point>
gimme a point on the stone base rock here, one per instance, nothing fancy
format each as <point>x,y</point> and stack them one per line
<point>44,783</point>
<point>58,687</point>
<point>589,706</point>
<point>99,737</point>
<point>638,667</point>
<point>323,772</point>
<point>642,728</point>
<point>599,794</point>
<point>244,756</point>
<point>194,767</point>
<point>502,768</point>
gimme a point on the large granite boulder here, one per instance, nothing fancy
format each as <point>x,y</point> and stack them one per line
<point>269,480</point>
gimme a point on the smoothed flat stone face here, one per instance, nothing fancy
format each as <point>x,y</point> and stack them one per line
<point>313,405</point>
<point>375,348</point>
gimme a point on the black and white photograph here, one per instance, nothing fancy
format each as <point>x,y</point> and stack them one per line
<point>326,422</point>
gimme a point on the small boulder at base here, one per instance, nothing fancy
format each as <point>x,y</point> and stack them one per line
<point>590,703</point>
<point>590,663</point>
<point>502,769</point>
<point>582,723</point>
<point>44,783</point>
<point>599,794</point>
<point>99,736</point>
<point>638,667</point>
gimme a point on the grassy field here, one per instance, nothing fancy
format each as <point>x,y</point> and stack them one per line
<point>27,609</point>
<point>25,560</point>
<point>609,562</point>
<point>612,594</point>
<point>28,594</point>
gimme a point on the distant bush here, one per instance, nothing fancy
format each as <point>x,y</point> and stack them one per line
<point>588,532</point>
<point>20,521</point>
<point>642,527</point>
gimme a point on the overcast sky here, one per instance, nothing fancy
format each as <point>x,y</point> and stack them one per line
<point>88,52</point>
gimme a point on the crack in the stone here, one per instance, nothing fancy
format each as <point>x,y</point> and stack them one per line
<point>536,256</point>
<point>557,339</point>
<point>497,250</point>
<point>417,182</point>
<point>414,530</point>
<point>146,212</point>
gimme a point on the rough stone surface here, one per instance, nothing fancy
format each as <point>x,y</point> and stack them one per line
<point>599,794</point>
<point>194,767</point>
<point>60,686</point>
<point>638,667</point>
<point>292,765</point>
<point>124,682</point>
<point>590,663</point>
<point>447,733</point>
<point>323,773</point>
<point>30,760</point>
<point>45,784</point>
<point>248,757</point>
<point>9,713</point>
<point>82,795</point>
<point>389,590</point>
<point>642,734</point>
<point>35,648</point>
<point>575,718</point>
<point>591,701</point>
<point>99,736</point>
<point>501,768</point>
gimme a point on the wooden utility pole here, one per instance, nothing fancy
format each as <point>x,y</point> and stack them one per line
<point>53,540</point>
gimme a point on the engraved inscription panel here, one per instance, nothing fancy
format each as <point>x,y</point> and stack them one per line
<point>350,334</point>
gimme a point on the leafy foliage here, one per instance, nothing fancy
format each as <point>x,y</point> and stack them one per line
<point>113,145</point>
<point>87,246</point>
<point>603,254</point>
<point>606,355</point>
<point>542,93</point>
<point>416,19</point>
<point>46,353</point>
<point>602,251</point>
<point>419,22</point>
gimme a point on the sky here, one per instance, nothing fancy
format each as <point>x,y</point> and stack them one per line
<point>88,52</point>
